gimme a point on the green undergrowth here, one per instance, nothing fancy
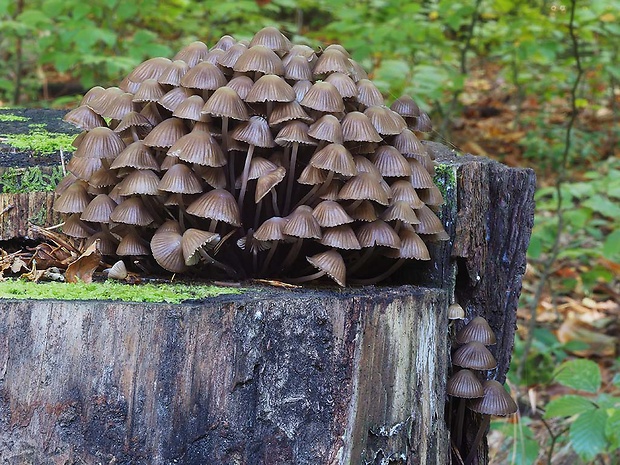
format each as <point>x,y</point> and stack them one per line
<point>40,141</point>
<point>7,117</point>
<point>109,290</point>
<point>31,179</point>
<point>445,178</point>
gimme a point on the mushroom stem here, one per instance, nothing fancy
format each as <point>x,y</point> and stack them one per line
<point>212,225</point>
<point>460,416</point>
<point>257,212</point>
<point>486,419</point>
<point>134,134</point>
<point>380,277</point>
<point>362,260</point>
<point>231,177</point>
<point>316,190</point>
<point>291,178</point>
<point>270,254</point>
<point>274,202</point>
<point>245,175</point>
<point>209,259</point>
<point>304,279</point>
<point>292,254</point>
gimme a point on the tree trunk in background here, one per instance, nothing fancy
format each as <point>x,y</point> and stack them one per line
<point>321,377</point>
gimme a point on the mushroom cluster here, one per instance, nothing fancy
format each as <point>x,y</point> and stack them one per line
<point>252,159</point>
<point>488,397</point>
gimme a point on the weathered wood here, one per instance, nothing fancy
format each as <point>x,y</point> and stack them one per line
<point>313,377</point>
<point>19,211</point>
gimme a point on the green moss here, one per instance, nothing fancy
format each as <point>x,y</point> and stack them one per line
<point>41,141</point>
<point>110,290</point>
<point>7,117</point>
<point>31,179</point>
<point>445,179</point>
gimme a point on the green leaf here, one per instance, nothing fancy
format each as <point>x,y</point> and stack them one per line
<point>587,434</point>
<point>567,406</point>
<point>611,248</point>
<point>603,205</point>
<point>580,374</point>
<point>612,428</point>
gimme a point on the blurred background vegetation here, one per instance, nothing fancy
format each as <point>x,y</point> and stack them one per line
<point>529,82</point>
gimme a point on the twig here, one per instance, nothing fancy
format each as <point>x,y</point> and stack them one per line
<point>554,439</point>
<point>555,250</point>
<point>7,209</point>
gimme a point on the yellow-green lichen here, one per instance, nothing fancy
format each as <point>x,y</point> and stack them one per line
<point>111,290</point>
<point>40,141</point>
<point>445,179</point>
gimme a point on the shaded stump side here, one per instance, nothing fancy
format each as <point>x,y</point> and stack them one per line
<point>318,377</point>
<point>492,228</point>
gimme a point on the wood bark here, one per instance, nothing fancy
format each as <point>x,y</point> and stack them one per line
<point>18,211</point>
<point>267,377</point>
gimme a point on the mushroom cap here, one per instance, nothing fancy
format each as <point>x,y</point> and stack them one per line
<point>273,39</point>
<point>132,211</point>
<point>100,142</point>
<point>218,204</point>
<point>455,312</point>
<point>101,99</point>
<point>332,61</point>
<point>99,209</point>
<point>406,107</point>
<point>327,128</point>
<point>226,103</point>
<point>357,72</point>
<point>412,247</point>
<point>431,196</point>
<point>423,123</point>
<point>166,133</point>
<point>465,385</point>
<point>400,210</point>
<point>271,229</point>
<point>143,182</point>
<point>336,158</point>
<point>345,85</point>
<point>365,211</point>
<point>294,132</point>
<point>255,132</point>
<point>204,76</point>
<point>297,68</point>
<point>193,53</point>
<point>150,90</point>
<point>368,94</point>
<point>267,182</point>
<point>93,94</point>
<point>390,162</point>
<point>429,222</point>
<point>136,120</point>
<point>102,178</point>
<point>340,237</point>
<point>173,73</point>
<point>167,250</point>
<point>329,214</point>
<point>83,168</point>
<point>117,271</point>
<point>312,176</point>
<point>224,43</point>
<point>476,330</point>
<point>229,59</point>
<point>180,179</point>
<point>85,118</point>
<point>403,190</point>
<point>287,111</point>
<point>171,99</point>
<point>474,355</point>
<point>408,144</point>
<point>190,109</point>
<point>378,232</point>
<point>357,127</point>
<point>270,88</point>
<point>73,200</point>
<point>332,264</point>
<point>364,186</point>
<point>107,242</point>
<point>259,58</point>
<point>300,223</point>
<point>118,106</point>
<point>214,177</point>
<point>193,239</point>
<point>75,227</point>
<point>259,166</point>
<point>200,148</point>
<point>301,88</point>
<point>323,96</point>
<point>385,121</point>
<point>132,244</point>
<point>496,400</point>
<point>420,177</point>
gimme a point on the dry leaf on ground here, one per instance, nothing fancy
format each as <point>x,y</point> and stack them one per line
<point>83,268</point>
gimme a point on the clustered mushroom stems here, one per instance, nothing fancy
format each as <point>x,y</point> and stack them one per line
<point>473,385</point>
<point>344,172</point>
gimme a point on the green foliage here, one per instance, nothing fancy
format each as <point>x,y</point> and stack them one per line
<point>110,290</point>
<point>593,422</point>
<point>21,180</point>
<point>40,141</point>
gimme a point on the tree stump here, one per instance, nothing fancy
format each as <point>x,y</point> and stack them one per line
<point>312,376</point>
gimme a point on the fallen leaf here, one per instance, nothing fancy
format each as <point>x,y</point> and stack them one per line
<point>83,268</point>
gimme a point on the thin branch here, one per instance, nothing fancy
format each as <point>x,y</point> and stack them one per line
<point>555,250</point>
